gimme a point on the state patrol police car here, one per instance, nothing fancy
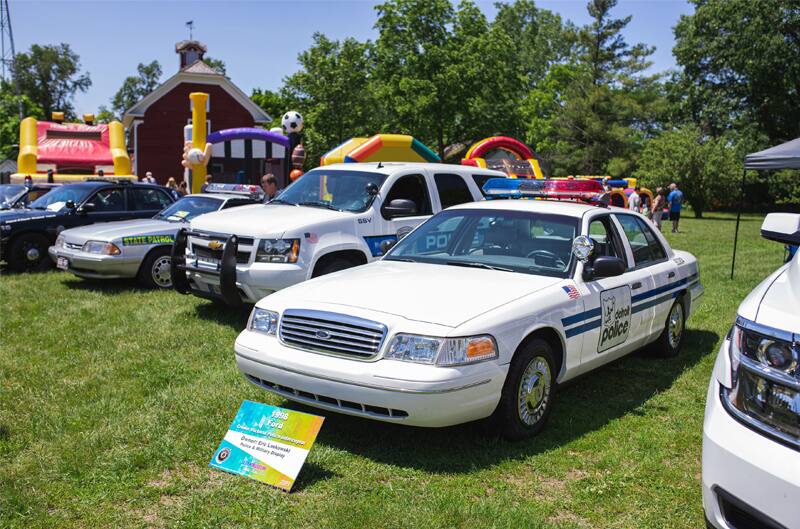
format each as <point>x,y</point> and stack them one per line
<point>334,217</point>
<point>480,311</point>
<point>141,248</point>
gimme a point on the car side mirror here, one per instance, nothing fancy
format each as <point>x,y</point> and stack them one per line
<point>400,207</point>
<point>86,208</point>
<point>605,266</point>
<point>387,245</point>
<point>372,189</point>
<point>70,204</point>
<point>782,227</point>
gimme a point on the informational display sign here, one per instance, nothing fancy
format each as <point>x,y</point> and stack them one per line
<point>267,444</point>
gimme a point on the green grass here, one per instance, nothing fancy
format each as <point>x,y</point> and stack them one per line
<point>113,400</point>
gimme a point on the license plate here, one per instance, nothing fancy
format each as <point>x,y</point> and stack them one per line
<point>62,263</point>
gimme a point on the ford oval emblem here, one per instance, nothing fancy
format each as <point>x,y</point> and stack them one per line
<point>323,335</point>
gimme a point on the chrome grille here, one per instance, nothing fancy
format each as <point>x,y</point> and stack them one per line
<point>203,252</point>
<point>73,245</point>
<point>331,333</point>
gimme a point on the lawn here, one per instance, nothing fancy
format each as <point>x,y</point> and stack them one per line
<point>113,400</point>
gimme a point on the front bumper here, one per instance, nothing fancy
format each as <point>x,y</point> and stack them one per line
<point>94,266</point>
<point>746,472</point>
<point>386,390</point>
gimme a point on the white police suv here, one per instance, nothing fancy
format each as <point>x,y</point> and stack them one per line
<point>751,433</point>
<point>481,310</point>
<point>332,218</point>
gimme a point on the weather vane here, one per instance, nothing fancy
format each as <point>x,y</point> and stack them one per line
<point>190,25</point>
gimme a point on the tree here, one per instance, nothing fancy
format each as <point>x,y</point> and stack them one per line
<point>133,89</point>
<point>216,64</point>
<point>273,103</point>
<point>9,118</point>
<point>332,92</point>
<point>599,107</point>
<point>739,66</point>
<point>50,76</point>
<point>707,169</point>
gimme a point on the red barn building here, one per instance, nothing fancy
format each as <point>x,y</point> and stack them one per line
<point>155,124</point>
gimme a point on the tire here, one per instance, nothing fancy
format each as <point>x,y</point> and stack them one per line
<point>155,269</point>
<point>334,265</point>
<point>525,404</point>
<point>670,341</point>
<point>28,252</point>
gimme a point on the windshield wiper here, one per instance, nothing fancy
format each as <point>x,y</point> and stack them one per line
<point>402,259</point>
<point>281,201</point>
<point>318,204</point>
<point>473,264</point>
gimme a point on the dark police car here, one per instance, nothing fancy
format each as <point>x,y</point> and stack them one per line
<point>25,234</point>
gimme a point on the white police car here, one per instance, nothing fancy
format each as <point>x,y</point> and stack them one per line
<point>751,433</point>
<point>334,217</point>
<point>141,248</point>
<point>481,310</point>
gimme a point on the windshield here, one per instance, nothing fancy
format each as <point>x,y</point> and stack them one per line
<point>188,208</point>
<point>511,241</point>
<point>56,199</point>
<point>341,190</point>
<point>9,194</point>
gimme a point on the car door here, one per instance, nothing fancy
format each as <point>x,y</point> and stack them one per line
<point>410,186</point>
<point>145,202</point>
<point>610,325</point>
<point>106,205</point>
<point>645,261</point>
<point>665,279</point>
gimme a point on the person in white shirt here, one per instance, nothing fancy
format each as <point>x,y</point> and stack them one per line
<point>148,178</point>
<point>634,200</point>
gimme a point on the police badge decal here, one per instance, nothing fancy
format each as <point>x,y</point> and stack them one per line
<point>615,306</point>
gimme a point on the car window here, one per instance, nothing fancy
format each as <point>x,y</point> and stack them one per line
<point>108,200</point>
<point>640,247</point>
<point>602,234</point>
<point>411,187</point>
<point>657,251</point>
<point>150,199</point>
<point>452,190</point>
<point>481,179</point>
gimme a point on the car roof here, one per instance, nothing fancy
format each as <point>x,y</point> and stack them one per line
<point>392,167</point>
<point>555,207</point>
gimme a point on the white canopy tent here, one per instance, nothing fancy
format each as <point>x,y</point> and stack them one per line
<point>783,156</point>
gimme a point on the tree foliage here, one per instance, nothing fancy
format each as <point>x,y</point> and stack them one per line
<point>50,76</point>
<point>9,118</point>
<point>133,89</point>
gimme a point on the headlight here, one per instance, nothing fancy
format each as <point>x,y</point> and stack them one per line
<point>278,251</point>
<point>264,321</point>
<point>441,351</point>
<point>766,380</point>
<point>101,247</point>
<point>60,241</point>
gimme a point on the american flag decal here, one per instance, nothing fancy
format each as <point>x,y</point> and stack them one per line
<point>572,292</point>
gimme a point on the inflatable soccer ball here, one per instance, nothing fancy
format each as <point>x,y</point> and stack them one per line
<point>292,122</point>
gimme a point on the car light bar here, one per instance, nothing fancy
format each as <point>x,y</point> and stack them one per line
<point>584,190</point>
<point>235,189</point>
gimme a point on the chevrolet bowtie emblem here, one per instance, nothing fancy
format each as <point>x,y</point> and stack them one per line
<point>215,245</point>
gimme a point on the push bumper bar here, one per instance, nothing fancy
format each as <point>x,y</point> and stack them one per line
<point>226,269</point>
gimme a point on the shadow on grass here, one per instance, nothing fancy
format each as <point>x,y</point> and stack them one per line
<point>310,474</point>
<point>103,286</point>
<point>582,406</point>
<point>219,313</point>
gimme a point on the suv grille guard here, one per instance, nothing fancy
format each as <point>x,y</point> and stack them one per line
<point>226,270</point>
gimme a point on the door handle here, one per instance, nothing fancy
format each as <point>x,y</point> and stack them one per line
<point>636,285</point>
<point>671,275</point>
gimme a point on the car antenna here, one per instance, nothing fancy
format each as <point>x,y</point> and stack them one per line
<point>380,165</point>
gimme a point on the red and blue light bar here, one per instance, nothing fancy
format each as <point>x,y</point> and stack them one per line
<point>583,190</point>
<point>235,189</point>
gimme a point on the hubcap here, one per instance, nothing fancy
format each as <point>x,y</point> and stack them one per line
<point>534,391</point>
<point>32,254</point>
<point>675,325</point>
<point>160,272</point>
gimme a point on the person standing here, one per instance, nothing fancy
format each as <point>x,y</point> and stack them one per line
<point>171,184</point>
<point>675,201</point>
<point>148,178</point>
<point>634,200</point>
<point>204,186</point>
<point>182,188</point>
<point>658,207</point>
<point>270,186</point>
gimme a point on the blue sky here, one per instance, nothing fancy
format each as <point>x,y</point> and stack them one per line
<point>258,40</point>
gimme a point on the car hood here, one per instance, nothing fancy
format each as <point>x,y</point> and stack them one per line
<point>440,294</point>
<point>777,299</point>
<point>261,220</point>
<point>109,231</point>
<point>18,215</point>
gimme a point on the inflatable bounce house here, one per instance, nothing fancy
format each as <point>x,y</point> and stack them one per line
<point>381,148</point>
<point>71,151</point>
<point>505,154</point>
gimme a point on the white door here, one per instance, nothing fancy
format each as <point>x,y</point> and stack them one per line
<point>387,226</point>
